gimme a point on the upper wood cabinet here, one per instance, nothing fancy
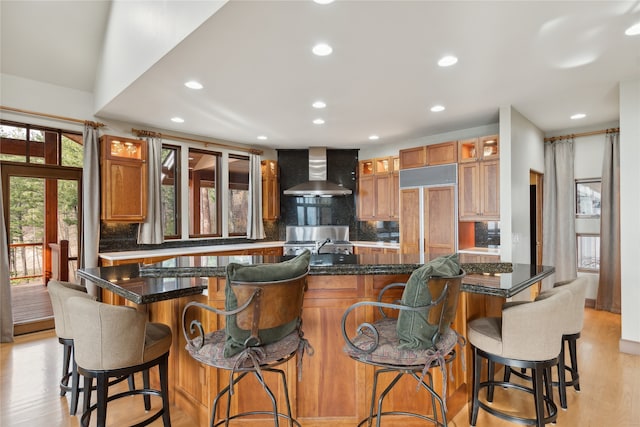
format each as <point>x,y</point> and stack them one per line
<point>442,154</point>
<point>378,187</point>
<point>270,190</point>
<point>479,190</point>
<point>124,179</point>
<point>474,149</point>
<point>413,157</point>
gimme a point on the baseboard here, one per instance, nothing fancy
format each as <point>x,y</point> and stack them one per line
<point>630,347</point>
<point>590,303</point>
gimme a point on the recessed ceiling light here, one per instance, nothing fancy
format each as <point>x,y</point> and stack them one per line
<point>633,30</point>
<point>578,116</point>
<point>318,122</point>
<point>374,137</point>
<point>192,84</point>
<point>323,1</point>
<point>447,61</point>
<point>177,119</point>
<point>319,104</point>
<point>322,49</point>
<point>437,108</point>
<point>262,137</point>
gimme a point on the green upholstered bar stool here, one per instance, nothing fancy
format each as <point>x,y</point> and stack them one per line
<point>418,339</point>
<point>116,342</point>
<point>527,336</point>
<point>263,329</point>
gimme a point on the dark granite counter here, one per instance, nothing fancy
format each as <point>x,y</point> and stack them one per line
<point>187,275</point>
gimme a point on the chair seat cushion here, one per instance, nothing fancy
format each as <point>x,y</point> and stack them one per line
<point>212,352</point>
<point>485,333</point>
<point>390,352</point>
<point>259,273</point>
<point>414,329</point>
<point>157,341</point>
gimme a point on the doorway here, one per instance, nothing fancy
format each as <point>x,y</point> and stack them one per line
<point>42,208</point>
<point>535,216</point>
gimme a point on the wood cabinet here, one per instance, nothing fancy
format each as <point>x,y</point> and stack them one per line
<point>270,190</point>
<point>123,179</point>
<point>443,153</point>
<point>479,186</point>
<point>432,230</point>
<point>378,186</point>
<point>479,179</point>
<point>415,157</point>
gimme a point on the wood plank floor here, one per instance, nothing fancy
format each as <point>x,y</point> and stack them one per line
<point>31,308</point>
<point>610,383</point>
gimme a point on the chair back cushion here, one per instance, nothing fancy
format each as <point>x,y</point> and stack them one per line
<point>419,329</point>
<point>578,289</point>
<point>60,292</point>
<point>281,287</point>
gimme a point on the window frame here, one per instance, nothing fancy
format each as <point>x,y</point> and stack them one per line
<point>178,191</point>
<point>585,181</point>
<point>229,189</point>
<point>578,253</point>
<point>195,215</point>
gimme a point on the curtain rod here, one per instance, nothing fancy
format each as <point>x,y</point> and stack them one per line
<point>140,132</point>
<point>576,135</point>
<point>53,116</point>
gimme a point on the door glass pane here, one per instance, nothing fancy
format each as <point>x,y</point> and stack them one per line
<point>26,229</point>
<point>68,221</point>
<point>203,198</point>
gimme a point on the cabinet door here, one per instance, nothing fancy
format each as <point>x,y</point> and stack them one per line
<point>366,197</point>
<point>395,197</point>
<point>490,189</point>
<point>468,150</point>
<point>383,197</point>
<point>443,153</point>
<point>124,195</point>
<point>469,187</point>
<point>489,147</point>
<point>410,223</point>
<point>439,217</point>
<point>413,157</point>
<point>270,190</point>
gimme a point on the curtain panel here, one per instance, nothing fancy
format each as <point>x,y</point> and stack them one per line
<point>6,313</point>
<point>255,228</point>
<point>609,284</point>
<point>559,229</point>
<point>90,238</point>
<point>151,231</point>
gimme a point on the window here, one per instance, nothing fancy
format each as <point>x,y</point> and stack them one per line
<point>588,197</point>
<point>171,191</point>
<point>238,194</point>
<point>26,143</point>
<point>588,250</point>
<point>204,206</point>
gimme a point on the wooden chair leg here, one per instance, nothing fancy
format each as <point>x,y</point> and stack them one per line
<point>573,355</point>
<point>475,407</point>
<point>164,388</point>
<point>101,392</point>
<point>75,388</point>
<point>562,386</point>
<point>147,386</point>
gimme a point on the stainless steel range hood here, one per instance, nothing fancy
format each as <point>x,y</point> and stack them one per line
<point>317,184</point>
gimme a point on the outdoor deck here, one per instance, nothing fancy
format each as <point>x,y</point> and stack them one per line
<point>31,308</point>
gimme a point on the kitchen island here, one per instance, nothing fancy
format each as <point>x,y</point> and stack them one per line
<point>334,390</point>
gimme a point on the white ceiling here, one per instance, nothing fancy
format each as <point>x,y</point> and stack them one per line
<point>547,59</point>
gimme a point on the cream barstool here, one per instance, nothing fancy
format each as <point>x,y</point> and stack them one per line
<point>526,336</point>
<point>117,341</point>
<point>60,292</point>
<point>570,333</point>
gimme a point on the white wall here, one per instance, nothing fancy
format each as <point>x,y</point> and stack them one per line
<point>133,42</point>
<point>521,150</point>
<point>630,214</point>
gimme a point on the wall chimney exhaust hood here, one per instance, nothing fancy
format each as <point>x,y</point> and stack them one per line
<point>317,184</point>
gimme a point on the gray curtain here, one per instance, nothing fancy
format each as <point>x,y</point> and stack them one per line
<point>559,229</point>
<point>255,228</point>
<point>6,313</point>
<point>609,284</point>
<point>90,237</point>
<point>151,231</point>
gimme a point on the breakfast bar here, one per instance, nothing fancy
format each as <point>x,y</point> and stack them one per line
<point>333,389</point>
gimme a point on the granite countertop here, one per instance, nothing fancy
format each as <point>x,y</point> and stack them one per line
<point>187,275</point>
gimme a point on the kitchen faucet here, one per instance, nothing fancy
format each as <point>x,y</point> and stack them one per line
<point>320,246</point>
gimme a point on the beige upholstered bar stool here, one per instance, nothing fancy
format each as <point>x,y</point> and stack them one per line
<point>117,341</point>
<point>526,336</point>
<point>60,292</point>
<point>571,332</point>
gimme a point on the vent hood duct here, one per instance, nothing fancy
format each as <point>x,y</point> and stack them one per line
<point>317,184</point>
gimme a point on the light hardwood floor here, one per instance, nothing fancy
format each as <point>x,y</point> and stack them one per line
<point>610,383</point>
